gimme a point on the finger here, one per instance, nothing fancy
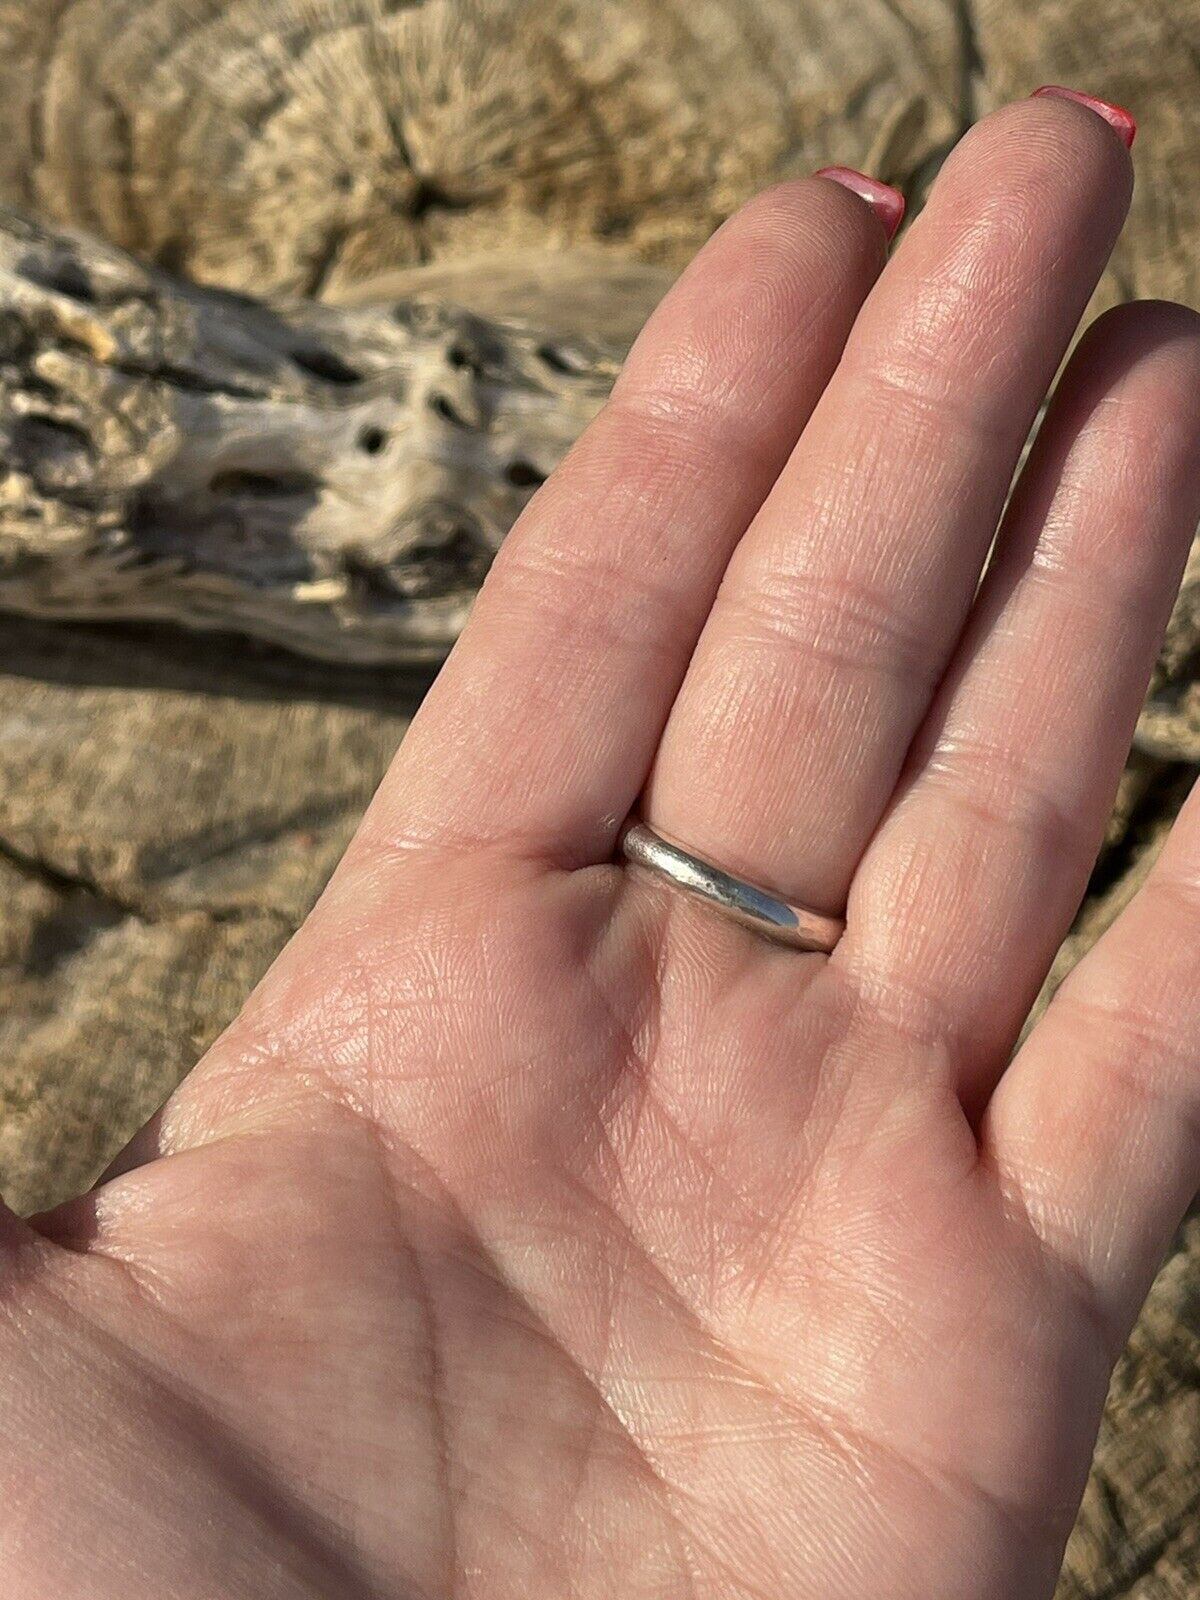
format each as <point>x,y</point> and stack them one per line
<point>541,727</point>
<point>971,883</point>
<point>1095,1128</point>
<point>842,604</point>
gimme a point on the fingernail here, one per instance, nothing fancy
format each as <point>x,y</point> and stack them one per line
<point>887,203</point>
<point>1116,116</point>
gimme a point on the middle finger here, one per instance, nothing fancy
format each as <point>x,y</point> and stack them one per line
<point>844,600</point>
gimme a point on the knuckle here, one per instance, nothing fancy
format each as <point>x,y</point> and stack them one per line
<point>676,420</point>
<point>847,624</point>
<point>590,600</point>
<point>1003,788</point>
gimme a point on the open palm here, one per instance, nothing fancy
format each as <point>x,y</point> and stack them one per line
<point>537,1232</point>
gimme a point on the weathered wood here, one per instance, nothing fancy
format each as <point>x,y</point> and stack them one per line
<point>304,145</point>
<point>1169,726</point>
<point>334,480</point>
<point>170,806</point>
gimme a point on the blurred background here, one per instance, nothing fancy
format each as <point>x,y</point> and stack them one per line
<point>469,206</point>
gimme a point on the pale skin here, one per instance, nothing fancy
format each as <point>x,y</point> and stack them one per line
<point>534,1232</point>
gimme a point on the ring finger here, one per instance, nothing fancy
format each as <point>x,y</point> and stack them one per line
<point>843,602</point>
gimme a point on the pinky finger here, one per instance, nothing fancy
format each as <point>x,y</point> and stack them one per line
<point>1095,1128</point>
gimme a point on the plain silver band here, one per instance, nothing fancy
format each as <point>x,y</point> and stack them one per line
<point>756,908</point>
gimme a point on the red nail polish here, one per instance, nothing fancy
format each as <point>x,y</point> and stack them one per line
<point>1116,116</point>
<point>887,203</point>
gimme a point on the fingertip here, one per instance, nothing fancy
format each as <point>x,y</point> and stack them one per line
<point>1118,118</point>
<point>1155,342</point>
<point>1048,146</point>
<point>1152,321</point>
<point>885,201</point>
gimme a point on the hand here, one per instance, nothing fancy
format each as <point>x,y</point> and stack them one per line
<point>536,1231</point>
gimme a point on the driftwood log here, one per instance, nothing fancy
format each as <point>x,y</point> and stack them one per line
<point>514,178</point>
<point>331,480</point>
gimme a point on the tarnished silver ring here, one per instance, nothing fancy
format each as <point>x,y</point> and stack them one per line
<point>796,926</point>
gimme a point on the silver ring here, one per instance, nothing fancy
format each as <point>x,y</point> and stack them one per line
<point>799,927</point>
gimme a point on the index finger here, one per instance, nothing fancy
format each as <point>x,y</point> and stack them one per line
<point>584,628</point>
